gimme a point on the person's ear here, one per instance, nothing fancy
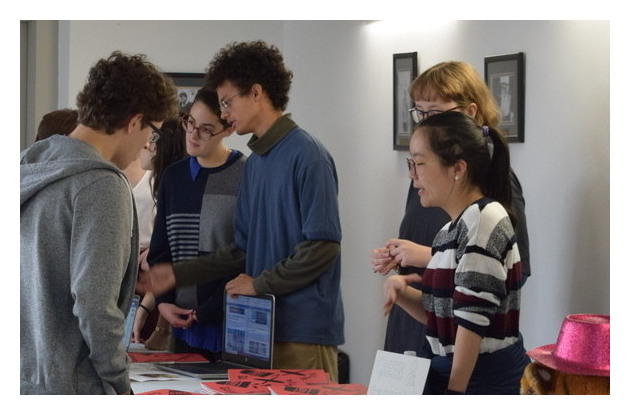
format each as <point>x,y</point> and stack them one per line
<point>134,123</point>
<point>256,91</point>
<point>459,170</point>
<point>471,110</point>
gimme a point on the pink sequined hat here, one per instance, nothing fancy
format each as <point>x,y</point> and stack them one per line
<point>583,346</point>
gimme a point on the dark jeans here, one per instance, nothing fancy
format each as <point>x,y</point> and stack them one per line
<point>497,373</point>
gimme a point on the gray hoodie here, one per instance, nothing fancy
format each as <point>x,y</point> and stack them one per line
<point>78,268</point>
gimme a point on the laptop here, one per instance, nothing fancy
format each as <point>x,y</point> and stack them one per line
<point>129,320</point>
<point>248,335</point>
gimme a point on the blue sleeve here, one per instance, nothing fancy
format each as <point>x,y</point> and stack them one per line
<point>318,201</point>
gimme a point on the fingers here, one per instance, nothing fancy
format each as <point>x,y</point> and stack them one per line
<point>409,278</point>
<point>382,261</point>
<point>183,320</point>
<point>393,242</point>
<point>390,299</point>
<point>387,308</point>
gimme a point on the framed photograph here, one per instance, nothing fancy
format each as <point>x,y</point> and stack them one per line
<point>187,86</point>
<point>505,76</point>
<point>405,70</point>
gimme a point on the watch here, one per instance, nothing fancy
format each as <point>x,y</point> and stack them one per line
<point>165,330</point>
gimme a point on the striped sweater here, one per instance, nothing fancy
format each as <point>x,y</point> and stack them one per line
<point>474,280</point>
<point>195,216</point>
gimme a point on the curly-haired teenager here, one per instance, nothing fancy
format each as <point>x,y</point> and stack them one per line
<point>79,232</point>
<point>287,223</point>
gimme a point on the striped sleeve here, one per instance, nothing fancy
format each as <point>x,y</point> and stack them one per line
<point>474,280</point>
<point>486,298</point>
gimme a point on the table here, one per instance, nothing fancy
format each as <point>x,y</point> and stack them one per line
<point>163,379</point>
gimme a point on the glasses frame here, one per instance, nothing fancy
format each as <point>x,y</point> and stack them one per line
<point>226,103</point>
<point>191,127</point>
<point>413,112</point>
<point>411,165</point>
<point>156,135</point>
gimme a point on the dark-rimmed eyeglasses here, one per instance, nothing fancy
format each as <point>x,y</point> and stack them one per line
<point>203,131</point>
<point>417,115</point>
<point>411,165</point>
<point>156,135</point>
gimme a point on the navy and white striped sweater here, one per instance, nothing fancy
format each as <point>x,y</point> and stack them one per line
<point>195,216</point>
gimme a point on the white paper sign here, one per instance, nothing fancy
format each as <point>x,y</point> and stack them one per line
<point>398,374</point>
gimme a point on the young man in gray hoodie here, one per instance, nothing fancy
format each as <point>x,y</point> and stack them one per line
<point>78,232</point>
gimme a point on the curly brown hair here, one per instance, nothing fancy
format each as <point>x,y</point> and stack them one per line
<point>248,63</point>
<point>210,99</point>
<point>122,86</point>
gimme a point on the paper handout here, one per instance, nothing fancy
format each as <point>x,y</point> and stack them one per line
<point>398,374</point>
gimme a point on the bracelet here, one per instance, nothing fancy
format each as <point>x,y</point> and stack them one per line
<point>165,330</point>
<point>146,309</point>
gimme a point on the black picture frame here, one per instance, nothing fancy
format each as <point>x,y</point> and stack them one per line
<point>505,76</point>
<point>187,83</point>
<point>405,71</point>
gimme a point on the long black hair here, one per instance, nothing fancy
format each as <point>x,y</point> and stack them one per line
<point>170,148</point>
<point>455,136</point>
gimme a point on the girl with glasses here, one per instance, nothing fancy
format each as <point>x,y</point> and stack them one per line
<point>195,212</point>
<point>469,294</point>
<point>447,86</point>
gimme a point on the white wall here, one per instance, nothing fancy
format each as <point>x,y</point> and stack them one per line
<point>342,93</point>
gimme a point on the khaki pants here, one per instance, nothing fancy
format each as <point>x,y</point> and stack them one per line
<point>306,356</point>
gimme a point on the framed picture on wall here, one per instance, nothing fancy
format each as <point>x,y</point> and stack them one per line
<point>505,76</point>
<point>405,70</point>
<point>187,84</point>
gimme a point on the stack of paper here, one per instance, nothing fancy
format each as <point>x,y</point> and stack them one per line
<point>233,387</point>
<point>280,382</point>
<point>165,357</point>
<point>167,392</point>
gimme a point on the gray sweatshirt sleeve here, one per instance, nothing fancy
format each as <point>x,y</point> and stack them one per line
<point>100,252</point>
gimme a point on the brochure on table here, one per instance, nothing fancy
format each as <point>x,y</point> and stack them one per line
<point>398,374</point>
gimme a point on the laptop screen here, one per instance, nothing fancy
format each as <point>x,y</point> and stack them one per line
<point>248,330</point>
<point>129,320</point>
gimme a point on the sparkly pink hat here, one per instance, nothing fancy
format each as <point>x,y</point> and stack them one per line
<point>583,346</point>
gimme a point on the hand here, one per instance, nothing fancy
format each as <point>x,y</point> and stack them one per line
<point>138,324</point>
<point>142,260</point>
<point>394,286</point>
<point>178,317</point>
<point>160,279</point>
<point>409,254</point>
<point>382,261</point>
<point>242,284</point>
